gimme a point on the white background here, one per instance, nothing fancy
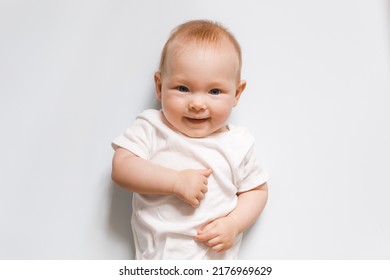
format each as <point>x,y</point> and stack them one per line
<point>74,74</point>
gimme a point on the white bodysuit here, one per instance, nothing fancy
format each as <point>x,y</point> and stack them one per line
<point>163,225</point>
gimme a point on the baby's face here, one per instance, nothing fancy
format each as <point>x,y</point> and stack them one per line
<point>199,87</point>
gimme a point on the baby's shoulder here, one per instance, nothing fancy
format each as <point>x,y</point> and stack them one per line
<point>238,140</point>
<point>240,134</point>
<point>152,114</point>
<point>150,117</point>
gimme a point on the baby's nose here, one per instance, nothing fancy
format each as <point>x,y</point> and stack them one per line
<point>197,104</point>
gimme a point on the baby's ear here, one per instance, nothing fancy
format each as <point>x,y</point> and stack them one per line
<point>240,88</point>
<point>158,85</point>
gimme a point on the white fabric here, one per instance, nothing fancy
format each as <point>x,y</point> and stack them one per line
<point>164,226</point>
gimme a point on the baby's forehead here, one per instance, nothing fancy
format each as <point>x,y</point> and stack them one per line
<point>180,45</point>
<point>179,51</point>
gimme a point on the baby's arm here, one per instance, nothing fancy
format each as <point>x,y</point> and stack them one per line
<point>141,176</point>
<point>219,234</point>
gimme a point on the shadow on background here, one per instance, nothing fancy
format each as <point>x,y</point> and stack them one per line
<point>120,216</point>
<point>121,200</point>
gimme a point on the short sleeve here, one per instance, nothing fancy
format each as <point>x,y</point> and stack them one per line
<point>137,139</point>
<point>251,173</point>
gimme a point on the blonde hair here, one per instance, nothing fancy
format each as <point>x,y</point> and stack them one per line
<point>203,31</point>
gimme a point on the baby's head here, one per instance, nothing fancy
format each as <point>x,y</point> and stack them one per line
<point>202,32</point>
<point>198,82</point>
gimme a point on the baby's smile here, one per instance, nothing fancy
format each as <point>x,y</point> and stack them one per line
<point>196,120</point>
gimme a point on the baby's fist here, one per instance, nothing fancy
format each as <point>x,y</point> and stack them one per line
<point>191,185</point>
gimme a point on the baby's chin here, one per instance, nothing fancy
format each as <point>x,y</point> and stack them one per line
<point>203,134</point>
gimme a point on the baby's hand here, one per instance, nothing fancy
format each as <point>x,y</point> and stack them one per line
<point>219,234</point>
<point>191,185</point>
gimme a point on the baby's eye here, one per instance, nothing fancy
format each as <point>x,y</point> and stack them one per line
<point>215,91</point>
<point>182,89</point>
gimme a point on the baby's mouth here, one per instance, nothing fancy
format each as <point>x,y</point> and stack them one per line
<point>196,120</point>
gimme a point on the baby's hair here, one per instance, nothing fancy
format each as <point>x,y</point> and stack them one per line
<point>203,31</point>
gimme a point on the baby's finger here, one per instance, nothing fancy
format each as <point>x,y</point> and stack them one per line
<point>213,242</point>
<point>194,202</point>
<point>200,196</point>
<point>205,172</point>
<point>205,235</point>
<point>218,248</point>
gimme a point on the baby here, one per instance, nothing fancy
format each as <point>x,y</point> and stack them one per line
<point>196,181</point>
